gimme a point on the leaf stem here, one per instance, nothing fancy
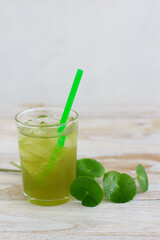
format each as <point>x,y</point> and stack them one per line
<point>9,170</point>
<point>16,165</point>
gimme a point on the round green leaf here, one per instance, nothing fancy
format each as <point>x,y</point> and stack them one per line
<point>87,190</point>
<point>142,177</point>
<point>89,167</point>
<point>119,187</point>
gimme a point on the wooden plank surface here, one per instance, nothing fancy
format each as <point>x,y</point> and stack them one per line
<point>119,139</point>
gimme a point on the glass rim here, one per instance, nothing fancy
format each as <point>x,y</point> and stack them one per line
<point>48,125</point>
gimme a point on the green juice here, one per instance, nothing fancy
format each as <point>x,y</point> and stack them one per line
<point>36,144</point>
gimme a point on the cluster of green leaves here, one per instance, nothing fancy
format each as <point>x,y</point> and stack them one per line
<point>118,187</point>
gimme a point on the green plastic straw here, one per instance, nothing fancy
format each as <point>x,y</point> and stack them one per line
<point>61,140</point>
<point>71,96</point>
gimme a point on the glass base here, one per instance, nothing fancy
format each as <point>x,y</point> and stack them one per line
<point>47,202</point>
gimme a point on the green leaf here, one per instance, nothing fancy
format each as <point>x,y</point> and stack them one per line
<point>87,190</point>
<point>142,177</point>
<point>119,187</point>
<point>41,116</point>
<point>89,167</point>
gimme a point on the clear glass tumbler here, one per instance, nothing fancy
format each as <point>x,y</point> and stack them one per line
<point>48,154</point>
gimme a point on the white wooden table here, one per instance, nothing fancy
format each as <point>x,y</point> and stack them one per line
<point>120,138</point>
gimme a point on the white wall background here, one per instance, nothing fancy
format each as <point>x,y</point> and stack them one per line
<point>115,42</point>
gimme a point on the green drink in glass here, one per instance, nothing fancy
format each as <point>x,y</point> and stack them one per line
<point>48,154</point>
